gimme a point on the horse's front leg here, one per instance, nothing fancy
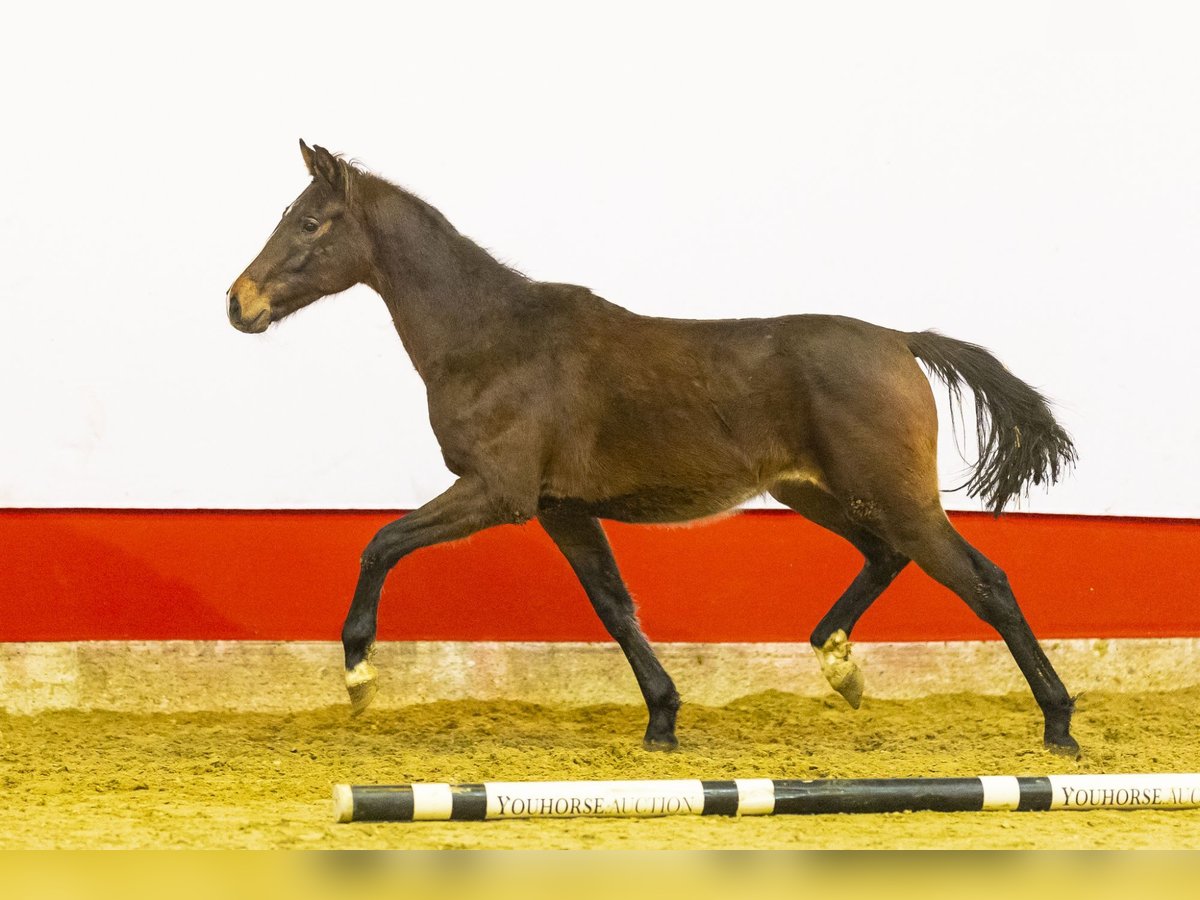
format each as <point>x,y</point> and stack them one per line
<point>465,508</point>
<point>583,543</point>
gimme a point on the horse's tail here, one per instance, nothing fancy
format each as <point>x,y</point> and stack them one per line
<point>1020,443</point>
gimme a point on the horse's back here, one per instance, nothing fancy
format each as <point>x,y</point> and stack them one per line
<point>725,406</point>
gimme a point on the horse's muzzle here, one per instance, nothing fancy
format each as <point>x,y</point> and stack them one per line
<point>249,311</point>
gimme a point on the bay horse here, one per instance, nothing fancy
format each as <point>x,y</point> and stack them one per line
<point>550,402</point>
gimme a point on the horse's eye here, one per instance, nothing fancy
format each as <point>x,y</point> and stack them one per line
<point>310,226</point>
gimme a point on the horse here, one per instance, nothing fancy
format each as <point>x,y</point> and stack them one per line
<point>550,402</point>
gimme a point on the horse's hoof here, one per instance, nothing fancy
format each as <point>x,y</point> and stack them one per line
<point>842,673</point>
<point>849,682</point>
<point>661,744</point>
<point>1067,747</point>
<point>360,684</point>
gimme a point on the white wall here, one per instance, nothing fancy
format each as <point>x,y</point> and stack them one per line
<point>1023,175</point>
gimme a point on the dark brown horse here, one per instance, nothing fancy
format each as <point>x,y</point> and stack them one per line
<point>549,401</point>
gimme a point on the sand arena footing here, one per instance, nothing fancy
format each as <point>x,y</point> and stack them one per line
<point>263,676</point>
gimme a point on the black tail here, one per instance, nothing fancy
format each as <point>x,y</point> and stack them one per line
<point>1019,441</point>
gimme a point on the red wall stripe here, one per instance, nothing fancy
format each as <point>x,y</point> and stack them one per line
<point>759,576</point>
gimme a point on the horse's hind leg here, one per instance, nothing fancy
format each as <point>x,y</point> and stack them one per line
<point>942,552</point>
<point>583,543</point>
<point>831,638</point>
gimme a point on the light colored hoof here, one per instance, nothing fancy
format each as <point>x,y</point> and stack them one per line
<point>839,670</point>
<point>360,683</point>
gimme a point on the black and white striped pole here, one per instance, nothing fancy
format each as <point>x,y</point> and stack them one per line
<point>758,797</point>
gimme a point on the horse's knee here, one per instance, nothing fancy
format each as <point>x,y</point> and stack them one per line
<point>620,617</point>
<point>383,552</point>
<point>370,560</point>
<point>386,549</point>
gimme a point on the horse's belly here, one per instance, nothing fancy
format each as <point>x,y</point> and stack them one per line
<point>657,505</point>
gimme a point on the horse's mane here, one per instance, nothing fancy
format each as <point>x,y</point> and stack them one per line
<point>362,185</point>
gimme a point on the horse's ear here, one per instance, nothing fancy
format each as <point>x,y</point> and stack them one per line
<point>306,152</point>
<point>328,169</point>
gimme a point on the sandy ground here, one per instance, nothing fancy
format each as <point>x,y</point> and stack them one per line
<point>77,779</point>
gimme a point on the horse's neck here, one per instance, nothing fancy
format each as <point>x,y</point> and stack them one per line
<point>445,296</point>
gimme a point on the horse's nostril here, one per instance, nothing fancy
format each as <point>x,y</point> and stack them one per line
<point>235,308</point>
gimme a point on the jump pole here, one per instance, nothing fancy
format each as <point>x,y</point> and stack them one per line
<point>758,797</point>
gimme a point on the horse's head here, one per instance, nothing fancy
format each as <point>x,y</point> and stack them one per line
<point>318,248</point>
